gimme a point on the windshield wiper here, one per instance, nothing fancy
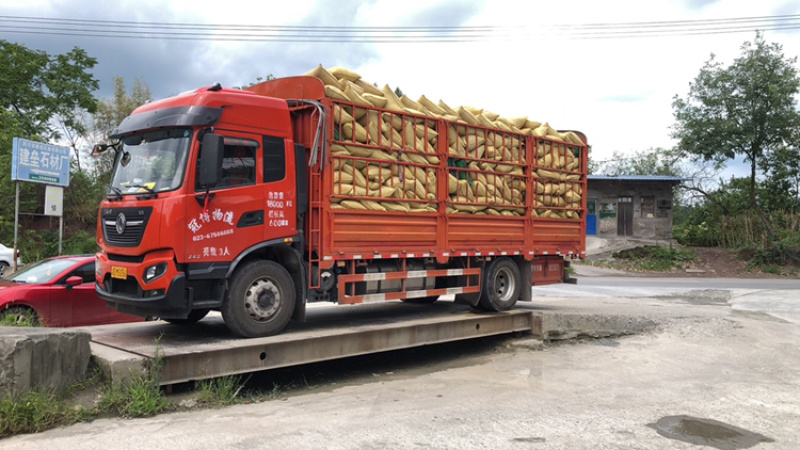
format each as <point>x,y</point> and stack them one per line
<point>116,191</point>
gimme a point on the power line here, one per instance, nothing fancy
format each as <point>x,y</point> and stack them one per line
<point>389,34</point>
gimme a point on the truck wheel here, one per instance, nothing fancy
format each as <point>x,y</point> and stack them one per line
<point>260,300</point>
<point>195,316</point>
<point>501,285</point>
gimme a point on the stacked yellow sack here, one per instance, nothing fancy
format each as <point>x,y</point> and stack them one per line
<point>486,152</point>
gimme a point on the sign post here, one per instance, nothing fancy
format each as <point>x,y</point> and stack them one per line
<point>36,162</point>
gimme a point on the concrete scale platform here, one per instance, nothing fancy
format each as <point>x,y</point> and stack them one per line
<point>207,349</point>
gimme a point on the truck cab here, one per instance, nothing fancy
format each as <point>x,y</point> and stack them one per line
<point>203,182</point>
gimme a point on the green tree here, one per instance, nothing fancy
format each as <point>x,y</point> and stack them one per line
<point>653,161</point>
<point>110,112</point>
<point>743,110</point>
<point>38,93</point>
<point>36,87</point>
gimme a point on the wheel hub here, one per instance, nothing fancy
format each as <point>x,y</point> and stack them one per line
<point>504,284</point>
<point>263,299</point>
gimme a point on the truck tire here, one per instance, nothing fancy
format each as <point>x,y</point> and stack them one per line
<point>195,316</point>
<point>501,285</point>
<point>260,300</point>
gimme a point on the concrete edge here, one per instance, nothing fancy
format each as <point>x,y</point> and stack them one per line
<point>118,365</point>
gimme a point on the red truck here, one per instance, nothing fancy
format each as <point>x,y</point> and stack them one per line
<point>255,202</point>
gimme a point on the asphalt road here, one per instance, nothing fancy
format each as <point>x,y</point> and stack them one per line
<point>721,368</point>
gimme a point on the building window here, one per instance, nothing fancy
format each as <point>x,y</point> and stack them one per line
<point>648,207</point>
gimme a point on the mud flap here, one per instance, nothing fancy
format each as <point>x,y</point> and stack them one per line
<point>525,268</point>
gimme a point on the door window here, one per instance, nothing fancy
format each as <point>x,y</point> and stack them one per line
<point>238,164</point>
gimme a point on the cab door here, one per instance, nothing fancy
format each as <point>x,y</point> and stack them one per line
<point>251,198</point>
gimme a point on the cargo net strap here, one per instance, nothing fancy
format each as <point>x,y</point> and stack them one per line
<point>383,160</point>
<point>486,171</point>
<point>557,182</point>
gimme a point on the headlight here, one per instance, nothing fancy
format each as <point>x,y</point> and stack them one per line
<point>153,272</point>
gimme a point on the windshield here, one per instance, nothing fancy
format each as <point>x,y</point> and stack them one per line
<point>42,272</point>
<point>152,162</point>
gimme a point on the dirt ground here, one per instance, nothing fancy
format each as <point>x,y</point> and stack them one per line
<point>709,262</point>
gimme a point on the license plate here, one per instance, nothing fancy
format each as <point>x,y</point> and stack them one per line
<point>119,272</point>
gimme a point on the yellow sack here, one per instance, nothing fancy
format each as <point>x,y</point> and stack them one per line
<point>354,96</point>
<point>326,77</point>
<point>490,116</point>
<point>411,104</point>
<point>336,93</point>
<point>392,101</point>
<point>369,88</point>
<point>344,74</point>
<point>430,106</point>
<point>352,204</point>
<point>532,124</point>
<point>448,110</point>
<point>372,206</point>
<point>474,111</point>
<point>466,116</point>
<point>395,206</point>
<point>378,101</point>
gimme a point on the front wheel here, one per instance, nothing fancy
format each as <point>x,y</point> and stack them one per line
<point>260,300</point>
<point>501,285</point>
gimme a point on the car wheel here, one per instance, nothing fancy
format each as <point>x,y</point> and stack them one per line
<point>3,267</point>
<point>19,316</point>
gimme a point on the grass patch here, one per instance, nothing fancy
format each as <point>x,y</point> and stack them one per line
<point>219,391</point>
<point>655,258</point>
<point>18,316</point>
<point>34,411</point>
<point>142,395</point>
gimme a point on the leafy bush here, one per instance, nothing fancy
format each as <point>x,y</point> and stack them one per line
<point>696,235</point>
<point>656,258</point>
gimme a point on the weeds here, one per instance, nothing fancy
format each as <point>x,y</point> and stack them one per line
<point>141,396</point>
<point>656,258</point>
<point>219,391</point>
<point>18,316</point>
<point>31,412</point>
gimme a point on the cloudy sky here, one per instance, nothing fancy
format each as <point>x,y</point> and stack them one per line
<point>570,62</point>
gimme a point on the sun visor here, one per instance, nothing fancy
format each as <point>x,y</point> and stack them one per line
<point>182,116</point>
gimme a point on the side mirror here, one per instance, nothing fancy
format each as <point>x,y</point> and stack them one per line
<point>73,281</point>
<point>210,171</point>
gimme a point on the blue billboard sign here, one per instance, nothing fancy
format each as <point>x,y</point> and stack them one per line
<point>40,163</point>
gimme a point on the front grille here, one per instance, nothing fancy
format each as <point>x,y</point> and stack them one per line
<point>125,258</point>
<point>132,221</point>
<point>127,287</point>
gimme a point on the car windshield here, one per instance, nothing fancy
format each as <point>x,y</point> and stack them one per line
<point>43,271</point>
<point>152,162</point>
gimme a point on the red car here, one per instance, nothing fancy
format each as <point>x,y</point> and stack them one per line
<point>58,292</point>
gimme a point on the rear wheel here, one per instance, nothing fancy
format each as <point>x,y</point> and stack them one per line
<point>3,267</point>
<point>195,316</point>
<point>501,285</point>
<point>19,316</point>
<point>260,300</point>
